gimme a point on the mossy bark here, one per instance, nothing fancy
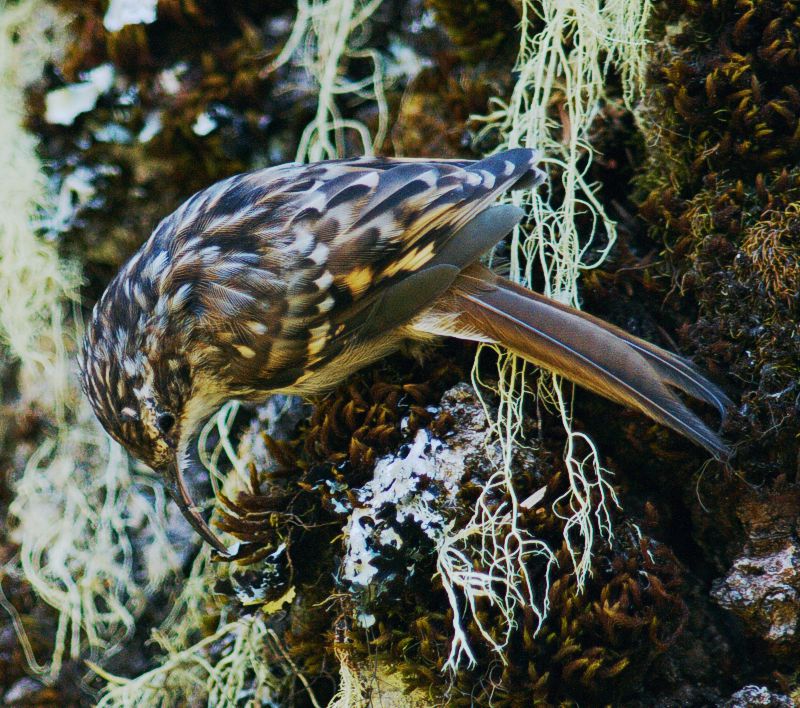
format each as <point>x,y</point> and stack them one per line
<point>682,606</point>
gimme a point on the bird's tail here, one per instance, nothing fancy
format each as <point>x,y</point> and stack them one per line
<point>585,350</point>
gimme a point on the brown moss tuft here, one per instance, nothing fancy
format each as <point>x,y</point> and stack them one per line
<point>163,73</point>
<point>434,116</point>
<point>727,74</point>
<point>733,118</point>
<point>290,519</point>
<point>719,192</point>
<point>773,247</point>
<point>593,646</point>
<point>480,29</point>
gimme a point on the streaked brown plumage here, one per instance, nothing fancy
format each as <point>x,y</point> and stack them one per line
<point>291,278</point>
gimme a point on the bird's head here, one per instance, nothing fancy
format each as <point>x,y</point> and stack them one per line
<point>140,384</point>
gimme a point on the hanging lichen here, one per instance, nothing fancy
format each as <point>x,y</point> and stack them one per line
<point>326,36</point>
<point>75,508</point>
<point>566,50</point>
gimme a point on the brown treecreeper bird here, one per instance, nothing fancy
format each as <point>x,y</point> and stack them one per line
<point>291,278</point>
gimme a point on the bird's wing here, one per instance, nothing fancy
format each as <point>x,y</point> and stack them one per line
<point>287,267</point>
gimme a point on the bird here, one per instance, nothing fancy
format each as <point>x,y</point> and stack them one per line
<point>289,279</point>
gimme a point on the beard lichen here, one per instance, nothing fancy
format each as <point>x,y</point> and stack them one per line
<point>326,36</point>
<point>565,54</point>
<point>75,508</point>
<point>36,285</point>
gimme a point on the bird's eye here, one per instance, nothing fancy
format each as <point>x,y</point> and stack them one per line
<point>165,422</point>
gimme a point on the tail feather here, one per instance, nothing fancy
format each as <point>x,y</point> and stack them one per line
<point>673,369</point>
<point>587,351</point>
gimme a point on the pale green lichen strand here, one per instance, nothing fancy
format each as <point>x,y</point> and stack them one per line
<point>566,52</point>
<point>326,36</point>
<point>76,506</point>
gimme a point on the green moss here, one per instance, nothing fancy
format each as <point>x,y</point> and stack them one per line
<point>480,29</point>
<point>733,118</point>
<point>594,645</point>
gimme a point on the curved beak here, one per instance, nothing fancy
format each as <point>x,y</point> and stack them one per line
<point>176,485</point>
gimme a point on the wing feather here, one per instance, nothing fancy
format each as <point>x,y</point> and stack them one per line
<point>333,238</point>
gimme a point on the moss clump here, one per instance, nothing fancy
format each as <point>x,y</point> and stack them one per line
<point>480,29</point>
<point>725,202</point>
<point>720,192</point>
<point>728,74</point>
<point>434,116</point>
<point>594,645</point>
<point>290,520</point>
<point>181,114</point>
